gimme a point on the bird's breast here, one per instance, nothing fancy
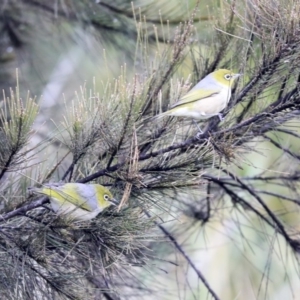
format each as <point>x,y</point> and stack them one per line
<point>204,108</point>
<point>212,105</point>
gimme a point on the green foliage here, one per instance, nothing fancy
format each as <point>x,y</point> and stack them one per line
<point>16,119</point>
<point>177,188</point>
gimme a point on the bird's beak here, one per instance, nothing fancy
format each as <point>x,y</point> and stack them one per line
<point>237,75</point>
<point>114,202</point>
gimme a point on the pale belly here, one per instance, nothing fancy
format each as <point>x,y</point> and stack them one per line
<point>204,108</point>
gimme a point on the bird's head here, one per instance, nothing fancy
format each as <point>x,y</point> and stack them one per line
<point>104,196</point>
<point>224,77</point>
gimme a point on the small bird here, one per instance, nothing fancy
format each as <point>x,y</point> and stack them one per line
<point>206,99</point>
<point>77,200</point>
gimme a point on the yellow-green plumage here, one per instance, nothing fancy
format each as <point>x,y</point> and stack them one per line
<point>207,98</point>
<point>78,201</point>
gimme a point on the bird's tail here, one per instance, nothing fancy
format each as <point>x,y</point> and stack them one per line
<point>166,113</point>
<point>43,189</point>
<point>151,119</point>
<point>33,190</point>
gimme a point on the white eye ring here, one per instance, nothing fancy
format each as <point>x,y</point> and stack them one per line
<point>106,197</point>
<point>227,76</point>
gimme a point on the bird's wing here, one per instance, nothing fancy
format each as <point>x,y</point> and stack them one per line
<point>195,95</point>
<point>72,195</point>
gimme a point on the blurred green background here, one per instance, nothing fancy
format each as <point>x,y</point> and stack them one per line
<point>59,47</point>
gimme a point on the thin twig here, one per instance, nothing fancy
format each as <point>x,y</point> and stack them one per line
<point>186,257</point>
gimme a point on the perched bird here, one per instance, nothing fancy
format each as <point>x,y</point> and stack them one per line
<point>77,200</point>
<point>206,99</point>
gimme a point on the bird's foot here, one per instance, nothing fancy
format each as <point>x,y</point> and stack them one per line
<point>200,131</point>
<point>199,134</point>
<point>221,117</point>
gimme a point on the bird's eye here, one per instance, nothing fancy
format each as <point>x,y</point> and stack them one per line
<point>227,76</point>
<point>106,197</point>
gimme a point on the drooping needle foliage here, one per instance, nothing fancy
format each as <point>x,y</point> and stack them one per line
<point>237,182</point>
